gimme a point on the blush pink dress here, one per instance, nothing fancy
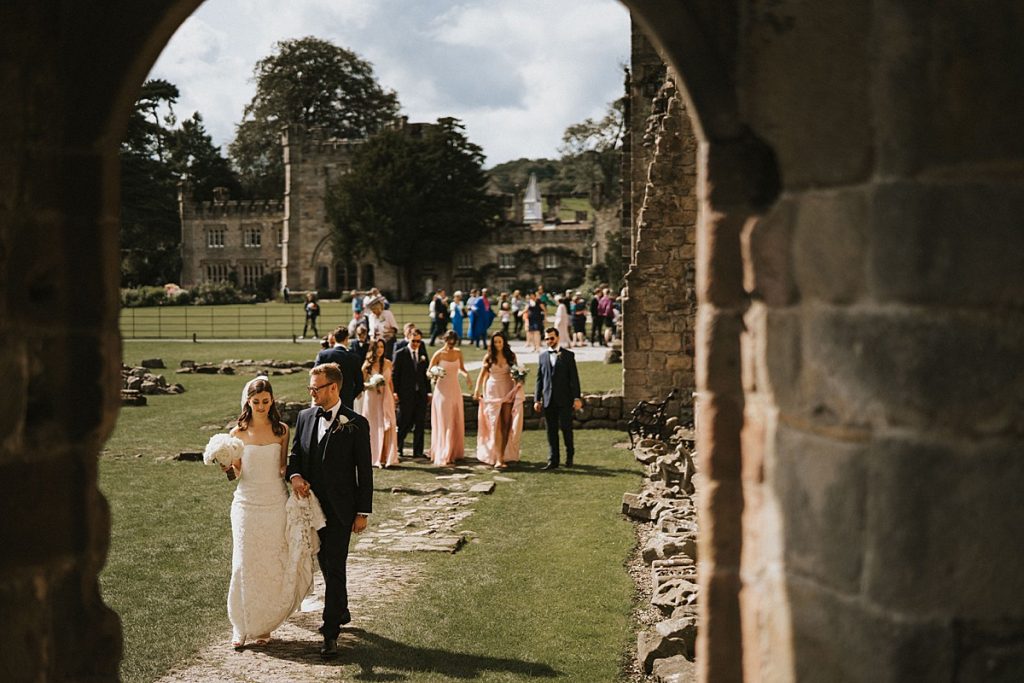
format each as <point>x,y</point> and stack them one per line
<point>379,411</point>
<point>499,389</point>
<point>447,417</point>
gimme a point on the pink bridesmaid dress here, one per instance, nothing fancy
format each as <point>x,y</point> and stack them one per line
<point>379,411</point>
<point>447,419</point>
<point>499,389</point>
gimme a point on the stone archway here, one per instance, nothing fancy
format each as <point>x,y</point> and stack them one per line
<point>858,354</point>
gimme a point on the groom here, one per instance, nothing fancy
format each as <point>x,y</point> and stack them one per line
<point>558,394</point>
<point>331,456</point>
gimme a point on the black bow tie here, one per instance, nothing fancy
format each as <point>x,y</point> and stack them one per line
<point>325,414</point>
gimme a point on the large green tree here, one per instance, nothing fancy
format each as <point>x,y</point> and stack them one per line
<point>413,198</point>
<point>155,154</point>
<point>314,83</point>
<point>592,155</point>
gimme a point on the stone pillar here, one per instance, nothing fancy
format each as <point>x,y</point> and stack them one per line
<point>659,312</point>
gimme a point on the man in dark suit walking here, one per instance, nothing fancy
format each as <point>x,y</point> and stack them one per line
<point>331,456</point>
<point>350,363</point>
<point>558,394</point>
<point>412,391</point>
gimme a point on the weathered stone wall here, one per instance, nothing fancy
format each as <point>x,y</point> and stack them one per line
<point>659,311</point>
<point>233,218</point>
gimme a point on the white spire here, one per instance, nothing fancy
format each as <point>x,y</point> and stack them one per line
<point>533,210</point>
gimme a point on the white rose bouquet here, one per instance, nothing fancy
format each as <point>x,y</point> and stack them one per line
<point>519,373</point>
<point>435,373</point>
<point>223,449</point>
<point>376,381</point>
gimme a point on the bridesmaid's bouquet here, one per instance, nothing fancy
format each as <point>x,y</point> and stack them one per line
<point>436,372</point>
<point>223,449</point>
<point>376,381</point>
<point>519,373</point>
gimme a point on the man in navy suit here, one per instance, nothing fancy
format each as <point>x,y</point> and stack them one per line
<point>412,391</point>
<point>558,394</point>
<point>331,456</point>
<point>350,363</point>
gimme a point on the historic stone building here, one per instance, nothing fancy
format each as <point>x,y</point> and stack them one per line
<point>859,343</point>
<point>289,239</point>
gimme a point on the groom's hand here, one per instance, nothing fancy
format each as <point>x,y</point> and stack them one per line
<point>300,486</point>
<point>359,524</point>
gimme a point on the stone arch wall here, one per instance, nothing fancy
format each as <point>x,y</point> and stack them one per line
<point>859,337</point>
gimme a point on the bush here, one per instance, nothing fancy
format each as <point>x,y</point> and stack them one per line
<point>218,293</point>
<point>136,297</point>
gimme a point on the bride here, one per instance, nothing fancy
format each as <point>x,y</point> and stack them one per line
<point>264,588</point>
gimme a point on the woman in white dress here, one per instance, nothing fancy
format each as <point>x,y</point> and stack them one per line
<point>262,594</point>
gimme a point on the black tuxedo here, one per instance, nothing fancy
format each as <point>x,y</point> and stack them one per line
<point>339,472</point>
<point>556,390</point>
<point>351,371</point>
<point>409,375</point>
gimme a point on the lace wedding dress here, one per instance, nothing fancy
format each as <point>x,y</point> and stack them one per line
<point>271,562</point>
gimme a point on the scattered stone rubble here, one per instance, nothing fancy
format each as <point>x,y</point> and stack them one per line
<point>666,507</point>
<point>137,383</point>
<point>232,366</point>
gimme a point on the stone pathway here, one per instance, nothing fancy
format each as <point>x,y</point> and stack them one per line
<point>383,565</point>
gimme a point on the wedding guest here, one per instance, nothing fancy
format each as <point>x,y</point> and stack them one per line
<point>379,406</point>
<point>562,316</point>
<point>447,418</point>
<point>357,303</point>
<point>382,323</point>
<point>457,313</point>
<point>579,321</point>
<point>404,341</point>
<point>264,588</point>
<point>412,391</point>
<point>500,414</point>
<point>595,318</point>
<point>485,316</point>
<point>534,314</point>
<point>518,304</point>
<point>605,312</point>
<point>312,309</point>
<point>557,394</point>
<point>331,456</point>
<point>360,345</point>
<point>349,362</point>
<point>439,320</point>
<point>504,313</point>
<point>358,320</point>
<point>473,308</point>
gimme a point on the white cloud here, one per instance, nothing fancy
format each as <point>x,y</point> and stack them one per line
<point>516,73</point>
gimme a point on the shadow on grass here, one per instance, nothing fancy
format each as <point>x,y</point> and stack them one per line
<point>383,659</point>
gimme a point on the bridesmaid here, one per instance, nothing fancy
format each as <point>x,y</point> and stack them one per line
<point>500,415</point>
<point>447,419</point>
<point>379,407</point>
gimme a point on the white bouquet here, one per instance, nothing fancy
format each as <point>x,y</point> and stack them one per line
<point>376,381</point>
<point>223,449</point>
<point>436,372</point>
<point>519,373</point>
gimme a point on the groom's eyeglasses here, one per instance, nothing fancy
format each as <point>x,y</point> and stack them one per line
<point>316,390</point>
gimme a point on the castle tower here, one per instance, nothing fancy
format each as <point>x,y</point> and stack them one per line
<point>533,208</point>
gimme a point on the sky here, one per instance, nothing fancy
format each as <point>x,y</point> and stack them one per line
<point>516,72</point>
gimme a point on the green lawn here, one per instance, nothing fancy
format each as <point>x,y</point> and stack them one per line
<point>542,594</point>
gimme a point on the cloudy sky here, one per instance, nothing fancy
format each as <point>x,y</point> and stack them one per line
<point>517,72</point>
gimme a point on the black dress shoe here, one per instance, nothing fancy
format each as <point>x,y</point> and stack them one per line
<point>329,649</point>
<point>568,463</point>
<point>550,466</point>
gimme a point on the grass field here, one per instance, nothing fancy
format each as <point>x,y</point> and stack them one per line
<point>542,594</point>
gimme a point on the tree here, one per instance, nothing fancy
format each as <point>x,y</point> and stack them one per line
<point>155,154</point>
<point>591,155</point>
<point>409,199</point>
<point>314,83</point>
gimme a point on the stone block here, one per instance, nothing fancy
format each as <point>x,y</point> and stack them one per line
<point>718,439</point>
<point>664,546</point>
<point>675,669</point>
<point>894,366</point>
<point>944,528</point>
<point>667,639</point>
<point>820,485</point>
<point>718,339</point>
<point>153,363</point>
<point>639,506</point>
<point>767,247</point>
<point>673,593</point>
<point>875,645</point>
<point>947,244</point>
<point>720,283</point>
<point>820,124</point>
<point>829,244</point>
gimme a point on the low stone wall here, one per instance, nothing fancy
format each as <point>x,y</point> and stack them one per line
<point>599,411</point>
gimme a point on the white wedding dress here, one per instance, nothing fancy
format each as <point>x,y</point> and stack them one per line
<point>271,562</point>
